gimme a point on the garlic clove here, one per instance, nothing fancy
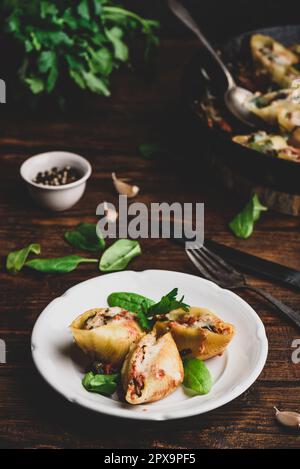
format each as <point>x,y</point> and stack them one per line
<point>110,212</point>
<point>124,188</point>
<point>287,418</point>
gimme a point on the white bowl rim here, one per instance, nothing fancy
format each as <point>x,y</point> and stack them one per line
<point>87,173</point>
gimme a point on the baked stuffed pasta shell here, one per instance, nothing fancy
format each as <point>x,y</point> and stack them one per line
<point>289,118</point>
<point>273,60</point>
<point>270,106</point>
<point>198,332</point>
<point>106,334</point>
<point>152,369</point>
<point>269,144</point>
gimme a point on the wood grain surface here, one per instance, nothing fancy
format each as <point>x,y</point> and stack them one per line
<point>142,110</point>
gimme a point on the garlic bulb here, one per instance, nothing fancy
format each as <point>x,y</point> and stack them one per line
<point>287,418</point>
<point>124,188</point>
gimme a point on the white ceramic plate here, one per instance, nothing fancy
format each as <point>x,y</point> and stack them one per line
<point>62,365</point>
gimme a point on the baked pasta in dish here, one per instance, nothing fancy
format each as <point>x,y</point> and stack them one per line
<point>272,145</point>
<point>273,75</point>
<point>106,334</point>
<point>198,332</point>
<point>273,60</point>
<point>152,369</point>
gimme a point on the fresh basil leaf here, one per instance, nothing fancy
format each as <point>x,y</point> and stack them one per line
<point>197,378</point>
<point>58,265</point>
<point>167,303</point>
<point>242,225</point>
<point>119,254</point>
<point>100,384</point>
<point>84,236</point>
<point>16,259</point>
<point>130,301</point>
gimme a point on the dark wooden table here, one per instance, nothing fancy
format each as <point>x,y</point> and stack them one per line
<point>34,416</point>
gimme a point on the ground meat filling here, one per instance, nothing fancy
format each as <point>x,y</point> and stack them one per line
<point>104,316</point>
<point>203,323</point>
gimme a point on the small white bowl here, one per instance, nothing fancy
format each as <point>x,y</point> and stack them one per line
<point>55,198</point>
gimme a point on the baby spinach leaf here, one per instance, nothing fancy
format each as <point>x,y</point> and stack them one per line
<point>149,150</point>
<point>119,254</point>
<point>84,236</point>
<point>16,259</point>
<point>130,301</point>
<point>167,304</point>
<point>100,384</point>
<point>58,265</point>
<point>242,224</point>
<point>197,378</point>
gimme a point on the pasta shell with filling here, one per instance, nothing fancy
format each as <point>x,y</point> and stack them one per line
<point>152,369</point>
<point>198,332</point>
<point>106,334</point>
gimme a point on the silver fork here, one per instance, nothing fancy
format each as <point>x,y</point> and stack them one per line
<point>212,267</point>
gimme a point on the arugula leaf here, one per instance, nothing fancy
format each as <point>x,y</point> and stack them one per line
<point>84,236</point>
<point>167,304</point>
<point>16,259</point>
<point>119,254</point>
<point>242,224</point>
<point>59,265</point>
<point>100,384</point>
<point>197,378</point>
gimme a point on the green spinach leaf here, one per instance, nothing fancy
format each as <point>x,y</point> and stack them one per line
<point>197,378</point>
<point>130,301</point>
<point>242,225</point>
<point>119,254</point>
<point>85,237</point>
<point>16,259</point>
<point>150,150</point>
<point>58,265</point>
<point>100,384</point>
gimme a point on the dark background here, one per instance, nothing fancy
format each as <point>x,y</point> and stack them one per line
<point>221,19</point>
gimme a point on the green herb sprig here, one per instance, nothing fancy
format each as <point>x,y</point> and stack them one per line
<point>146,309</point>
<point>83,41</point>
